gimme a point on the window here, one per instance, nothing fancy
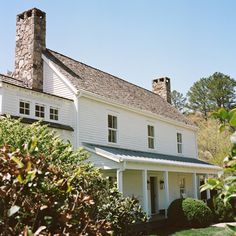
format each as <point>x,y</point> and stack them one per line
<point>112,129</point>
<point>179,143</point>
<point>182,186</point>
<point>53,113</point>
<point>39,111</point>
<point>24,108</point>
<point>150,136</point>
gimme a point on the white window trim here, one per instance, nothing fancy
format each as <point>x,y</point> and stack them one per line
<point>112,113</point>
<point>30,107</point>
<point>53,107</point>
<point>154,137</point>
<point>182,143</point>
<point>44,112</point>
<point>182,177</point>
<point>33,103</point>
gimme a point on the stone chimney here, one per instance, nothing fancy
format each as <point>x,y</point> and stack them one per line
<point>161,86</point>
<point>30,43</point>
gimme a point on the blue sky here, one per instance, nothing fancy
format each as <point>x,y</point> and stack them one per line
<point>135,40</point>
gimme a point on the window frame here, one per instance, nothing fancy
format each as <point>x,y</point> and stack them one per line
<point>39,111</point>
<point>151,136</point>
<point>24,108</point>
<point>182,186</point>
<point>113,129</point>
<point>55,109</point>
<point>179,142</point>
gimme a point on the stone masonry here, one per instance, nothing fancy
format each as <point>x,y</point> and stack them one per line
<point>30,43</point>
<point>161,86</point>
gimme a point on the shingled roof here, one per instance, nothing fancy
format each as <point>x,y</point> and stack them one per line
<point>10,80</point>
<point>110,87</point>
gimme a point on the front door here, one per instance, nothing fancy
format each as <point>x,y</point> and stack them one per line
<point>153,194</point>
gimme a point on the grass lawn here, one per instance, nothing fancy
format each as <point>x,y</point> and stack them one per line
<point>210,231</point>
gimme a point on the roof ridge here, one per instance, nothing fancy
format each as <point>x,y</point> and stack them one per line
<point>107,74</point>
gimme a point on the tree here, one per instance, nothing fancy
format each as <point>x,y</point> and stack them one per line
<point>212,93</point>
<point>46,188</point>
<point>213,145</point>
<point>178,100</point>
<point>222,91</point>
<point>226,183</point>
<point>198,97</point>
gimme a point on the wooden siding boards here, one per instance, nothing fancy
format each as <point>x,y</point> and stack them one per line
<point>53,84</point>
<point>132,129</point>
<point>13,94</point>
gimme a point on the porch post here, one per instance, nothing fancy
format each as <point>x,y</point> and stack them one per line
<point>119,177</point>
<point>195,186</point>
<point>167,197</point>
<point>208,193</point>
<point>145,191</point>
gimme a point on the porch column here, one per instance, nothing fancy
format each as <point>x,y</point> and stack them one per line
<point>119,177</point>
<point>145,191</point>
<point>208,193</point>
<point>195,186</point>
<point>167,197</point>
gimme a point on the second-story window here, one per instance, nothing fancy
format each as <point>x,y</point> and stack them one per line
<point>150,136</point>
<point>24,107</point>
<point>179,143</point>
<point>39,111</point>
<point>112,129</point>
<point>53,113</point>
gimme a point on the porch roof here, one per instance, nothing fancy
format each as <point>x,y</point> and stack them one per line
<point>119,155</point>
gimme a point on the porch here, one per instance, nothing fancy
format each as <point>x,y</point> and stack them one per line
<point>154,179</point>
<point>155,190</point>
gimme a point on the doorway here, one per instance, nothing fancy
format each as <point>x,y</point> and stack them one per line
<point>153,194</point>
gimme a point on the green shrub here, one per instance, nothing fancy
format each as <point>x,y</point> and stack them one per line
<point>189,212</point>
<point>48,189</point>
<point>221,212</point>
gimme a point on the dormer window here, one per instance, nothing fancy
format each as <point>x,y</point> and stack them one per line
<point>24,107</point>
<point>151,138</point>
<point>179,143</point>
<point>112,129</point>
<point>39,111</point>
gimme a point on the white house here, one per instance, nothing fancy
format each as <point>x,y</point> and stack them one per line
<point>134,135</point>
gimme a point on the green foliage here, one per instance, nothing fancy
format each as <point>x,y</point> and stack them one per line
<point>214,92</point>
<point>213,145</point>
<point>178,100</point>
<point>47,188</point>
<point>198,97</point>
<point>226,184</point>
<point>221,212</point>
<point>189,212</point>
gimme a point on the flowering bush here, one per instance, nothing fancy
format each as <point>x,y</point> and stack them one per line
<point>46,188</point>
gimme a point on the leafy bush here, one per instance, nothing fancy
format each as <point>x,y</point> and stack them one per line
<point>189,212</point>
<point>221,212</point>
<point>46,188</point>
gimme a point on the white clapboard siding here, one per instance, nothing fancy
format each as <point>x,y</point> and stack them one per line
<point>13,94</point>
<point>132,129</point>
<point>53,84</point>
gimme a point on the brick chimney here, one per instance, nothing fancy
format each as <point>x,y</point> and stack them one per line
<point>161,86</point>
<point>30,43</point>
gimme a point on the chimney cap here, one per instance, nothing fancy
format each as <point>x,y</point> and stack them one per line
<point>30,12</point>
<point>162,79</point>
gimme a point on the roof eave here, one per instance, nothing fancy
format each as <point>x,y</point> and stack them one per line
<point>84,93</point>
